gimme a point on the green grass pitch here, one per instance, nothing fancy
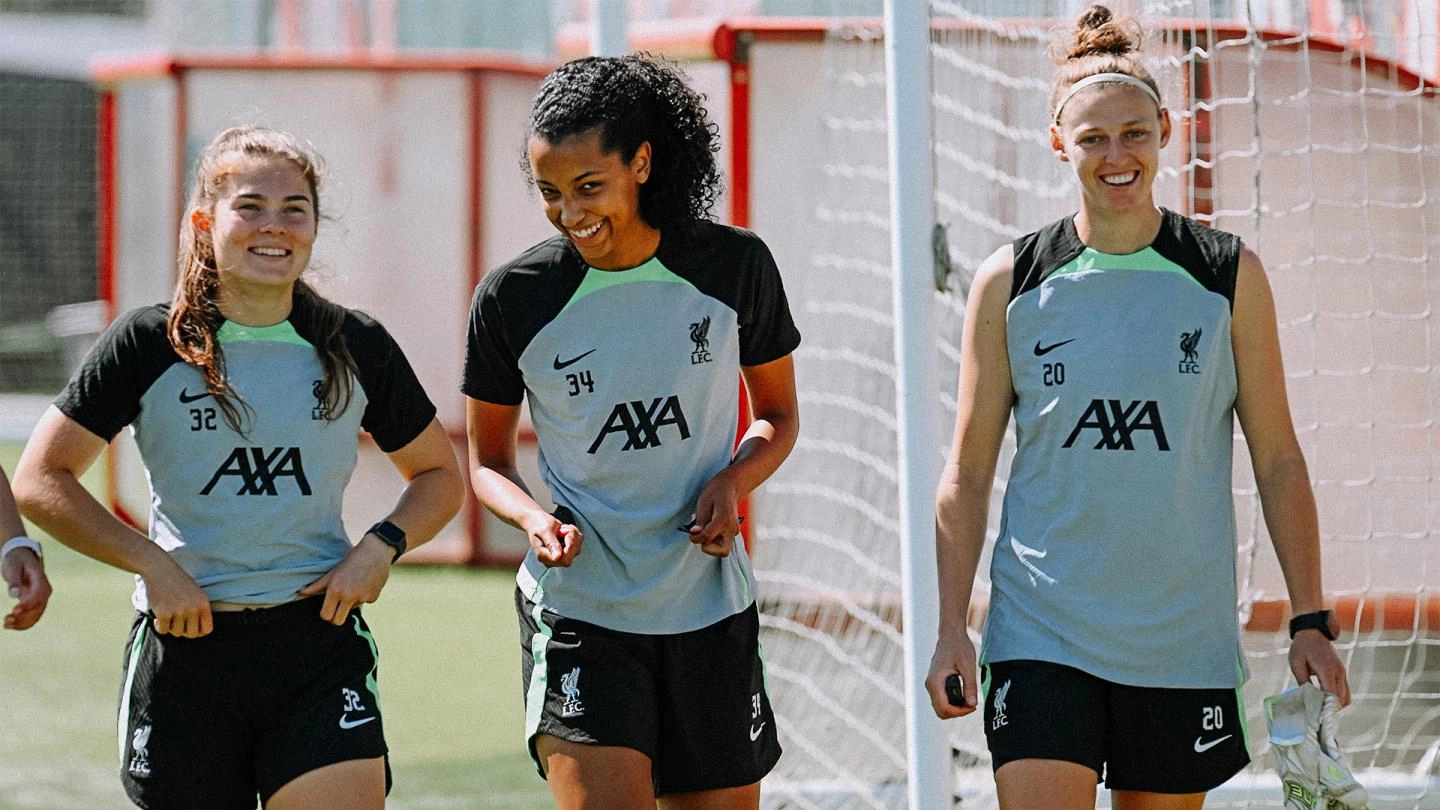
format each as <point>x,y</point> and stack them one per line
<point>449,679</point>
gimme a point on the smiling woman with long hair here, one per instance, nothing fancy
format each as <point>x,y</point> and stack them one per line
<point>249,670</point>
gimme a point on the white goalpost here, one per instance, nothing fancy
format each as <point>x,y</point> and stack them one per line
<point>1319,149</point>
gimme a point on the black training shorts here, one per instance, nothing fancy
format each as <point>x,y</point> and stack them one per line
<point>270,695</point>
<point>1134,738</point>
<point>694,703</point>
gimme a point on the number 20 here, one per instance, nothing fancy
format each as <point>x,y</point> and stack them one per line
<point>1214,718</point>
<point>1054,374</point>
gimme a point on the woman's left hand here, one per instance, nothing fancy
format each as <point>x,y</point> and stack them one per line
<point>357,580</point>
<point>716,521</point>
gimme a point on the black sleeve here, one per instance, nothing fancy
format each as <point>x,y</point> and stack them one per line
<point>398,409</point>
<point>767,329</point>
<point>129,356</point>
<point>492,367</point>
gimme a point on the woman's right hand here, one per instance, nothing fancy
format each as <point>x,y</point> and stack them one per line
<point>180,607</point>
<point>954,653</point>
<point>556,542</point>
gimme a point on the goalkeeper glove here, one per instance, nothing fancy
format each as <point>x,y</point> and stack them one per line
<point>1311,766</point>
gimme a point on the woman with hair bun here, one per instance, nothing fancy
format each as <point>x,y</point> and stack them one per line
<point>1124,340</point>
<point>249,672</point>
<point>629,333</point>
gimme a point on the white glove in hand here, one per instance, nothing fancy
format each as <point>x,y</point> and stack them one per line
<point>1312,769</point>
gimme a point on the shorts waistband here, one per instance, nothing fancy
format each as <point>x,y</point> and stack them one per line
<point>268,615</point>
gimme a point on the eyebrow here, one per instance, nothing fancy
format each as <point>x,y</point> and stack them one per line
<point>576,179</point>
<point>291,198</point>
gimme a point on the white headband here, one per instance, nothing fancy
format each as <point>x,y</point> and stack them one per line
<point>1105,78</point>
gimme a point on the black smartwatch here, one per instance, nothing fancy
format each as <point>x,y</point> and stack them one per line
<point>391,535</point>
<point>1322,620</point>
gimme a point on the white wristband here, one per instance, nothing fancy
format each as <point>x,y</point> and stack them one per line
<point>21,542</point>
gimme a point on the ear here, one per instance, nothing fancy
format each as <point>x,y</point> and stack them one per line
<point>1165,125</point>
<point>640,164</point>
<point>1057,143</point>
<point>200,220</point>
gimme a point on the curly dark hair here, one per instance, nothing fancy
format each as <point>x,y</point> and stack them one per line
<point>632,99</point>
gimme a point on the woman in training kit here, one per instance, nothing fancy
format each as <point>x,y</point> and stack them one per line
<point>1124,340</point>
<point>625,332</point>
<point>249,670</point>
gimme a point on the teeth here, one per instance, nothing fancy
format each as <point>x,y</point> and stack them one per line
<point>590,231</point>
<point>1120,179</point>
<point>269,251</point>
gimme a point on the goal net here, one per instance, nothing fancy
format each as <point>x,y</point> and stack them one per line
<point>1308,129</point>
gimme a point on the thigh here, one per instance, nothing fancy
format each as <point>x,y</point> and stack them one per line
<point>1175,741</point>
<point>1048,783</point>
<point>717,729</point>
<point>1043,711</point>
<point>595,776</point>
<point>356,784</point>
<point>323,706</point>
<point>184,742</point>
<point>585,684</point>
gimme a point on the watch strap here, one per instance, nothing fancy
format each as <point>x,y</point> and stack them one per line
<point>1322,620</point>
<point>391,535</point>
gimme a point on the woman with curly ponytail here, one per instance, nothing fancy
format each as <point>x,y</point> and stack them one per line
<point>625,333</point>
<point>1125,341</point>
<point>250,674</point>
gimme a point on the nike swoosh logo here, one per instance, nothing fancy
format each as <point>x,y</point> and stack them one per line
<point>347,723</point>
<point>186,397</point>
<point>755,732</point>
<point>559,364</point>
<point>1041,351</point>
<point>1201,748</point>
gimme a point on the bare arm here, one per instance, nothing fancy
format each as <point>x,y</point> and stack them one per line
<point>962,501</point>
<point>1280,471</point>
<point>432,495</point>
<point>774,427</point>
<point>492,433</point>
<point>48,490</point>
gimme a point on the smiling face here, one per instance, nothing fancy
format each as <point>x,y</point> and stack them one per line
<point>593,197</point>
<point>262,225</point>
<point>1112,135</point>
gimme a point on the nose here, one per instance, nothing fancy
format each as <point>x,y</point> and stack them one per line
<point>570,213</point>
<point>273,223</point>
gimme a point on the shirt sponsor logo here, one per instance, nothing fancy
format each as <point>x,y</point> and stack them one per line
<point>186,397</point>
<point>259,470</point>
<point>1118,423</point>
<point>641,423</point>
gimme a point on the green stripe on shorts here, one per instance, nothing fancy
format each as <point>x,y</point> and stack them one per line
<point>123,722</point>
